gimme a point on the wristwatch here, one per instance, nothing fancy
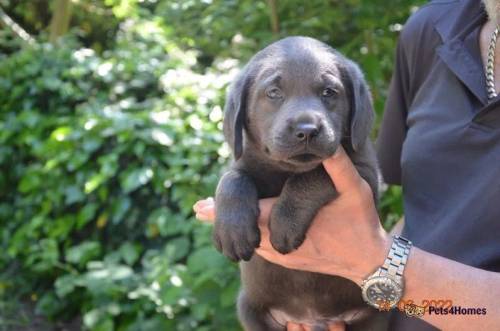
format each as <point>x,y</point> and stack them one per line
<point>384,288</point>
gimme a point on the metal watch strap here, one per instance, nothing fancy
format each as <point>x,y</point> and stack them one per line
<point>395,262</point>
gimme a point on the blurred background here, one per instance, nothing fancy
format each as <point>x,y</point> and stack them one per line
<point>110,129</point>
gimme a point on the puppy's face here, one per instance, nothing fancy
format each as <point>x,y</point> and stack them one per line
<point>295,102</point>
<point>298,109</point>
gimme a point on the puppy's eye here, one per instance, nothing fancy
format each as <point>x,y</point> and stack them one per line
<point>274,93</point>
<point>328,92</point>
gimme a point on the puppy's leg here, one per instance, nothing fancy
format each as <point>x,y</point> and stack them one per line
<point>301,198</point>
<point>255,318</point>
<point>236,233</point>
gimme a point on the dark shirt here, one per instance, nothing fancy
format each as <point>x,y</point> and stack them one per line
<point>440,140</point>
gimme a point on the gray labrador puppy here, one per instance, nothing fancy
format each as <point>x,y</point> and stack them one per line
<point>290,108</point>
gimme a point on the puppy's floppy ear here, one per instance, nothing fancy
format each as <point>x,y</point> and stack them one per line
<point>235,113</point>
<point>361,113</point>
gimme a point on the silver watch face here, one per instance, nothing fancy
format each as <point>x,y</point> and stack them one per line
<point>382,292</point>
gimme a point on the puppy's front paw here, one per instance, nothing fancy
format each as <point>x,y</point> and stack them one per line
<point>287,232</point>
<point>236,234</point>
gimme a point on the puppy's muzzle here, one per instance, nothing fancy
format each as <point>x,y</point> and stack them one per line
<point>304,133</point>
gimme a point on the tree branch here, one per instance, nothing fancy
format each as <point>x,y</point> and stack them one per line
<point>59,23</point>
<point>16,28</point>
<point>273,13</point>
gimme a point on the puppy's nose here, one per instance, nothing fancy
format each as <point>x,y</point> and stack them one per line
<point>306,131</point>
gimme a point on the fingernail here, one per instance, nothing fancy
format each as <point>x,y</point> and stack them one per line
<point>202,203</point>
<point>208,203</point>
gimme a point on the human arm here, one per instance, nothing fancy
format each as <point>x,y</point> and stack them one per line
<point>354,245</point>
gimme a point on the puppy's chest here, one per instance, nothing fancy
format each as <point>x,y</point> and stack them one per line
<point>269,184</point>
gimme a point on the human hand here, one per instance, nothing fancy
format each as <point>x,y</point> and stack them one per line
<point>346,237</point>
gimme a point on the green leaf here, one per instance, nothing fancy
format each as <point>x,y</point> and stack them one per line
<point>132,180</point>
<point>29,182</point>
<point>86,215</point>
<point>60,134</point>
<point>105,325</point>
<point>176,249</point>
<point>206,258</point>
<point>73,194</point>
<point>48,305</point>
<point>65,285</point>
<point>94,182</point>
<point>83,253</point>
<point>129,252</point>
<point>119,209</point>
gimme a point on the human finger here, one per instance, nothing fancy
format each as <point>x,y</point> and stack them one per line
<point>338,326</point>
<point>205,210</point>
<point>341,170</point>
<point>293,327</point>
<point>265,206</point>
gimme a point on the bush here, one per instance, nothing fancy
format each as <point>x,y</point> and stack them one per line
<point>101,159</point>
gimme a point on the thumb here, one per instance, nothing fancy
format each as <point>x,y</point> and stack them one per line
<point>341,170</point>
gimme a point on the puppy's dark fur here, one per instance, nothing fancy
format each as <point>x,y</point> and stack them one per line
<point>291,107</point>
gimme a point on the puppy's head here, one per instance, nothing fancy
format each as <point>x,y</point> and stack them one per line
<point>295,102</point>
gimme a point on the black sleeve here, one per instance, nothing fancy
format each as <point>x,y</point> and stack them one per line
<point>414,53</point>
<point>393,128</point>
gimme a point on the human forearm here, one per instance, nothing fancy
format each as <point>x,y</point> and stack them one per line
<point>431,277</point>
<point>346,239</point>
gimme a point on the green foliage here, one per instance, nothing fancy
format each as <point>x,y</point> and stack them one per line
<point>101,159</point>
<point>93,21</point>
<point>104,150</point>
